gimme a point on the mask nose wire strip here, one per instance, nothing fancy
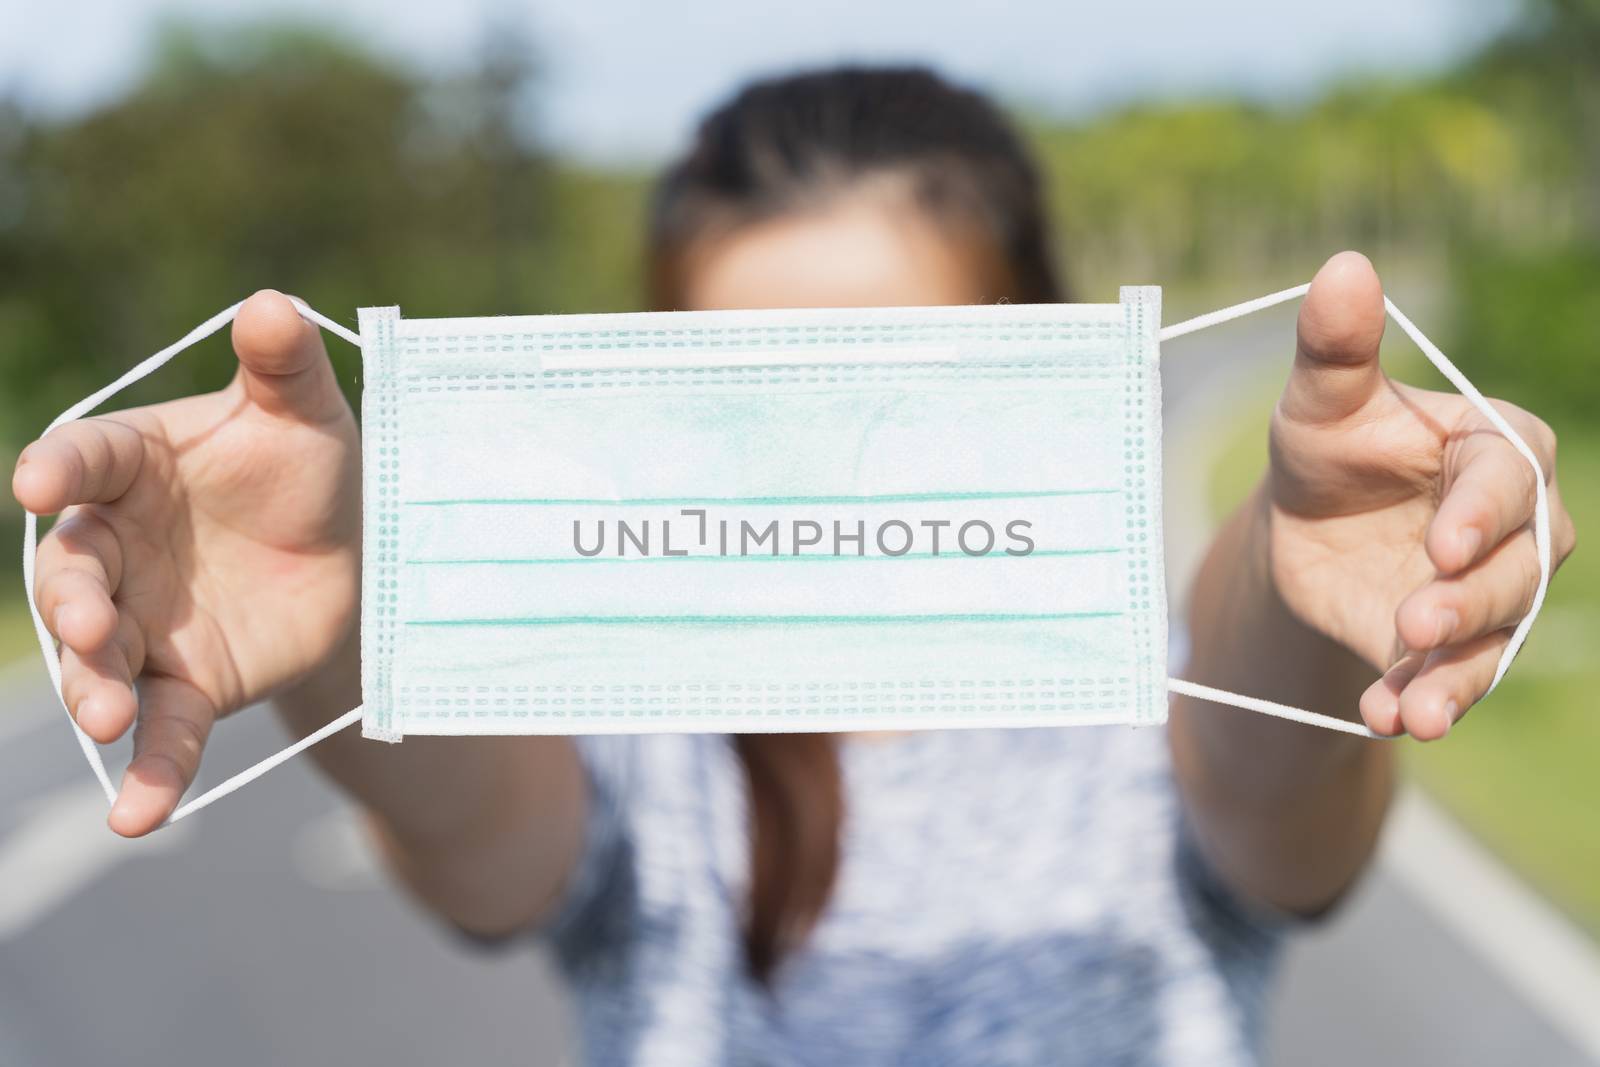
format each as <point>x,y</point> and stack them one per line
<point>1541,513</point>
<point>30,543</point>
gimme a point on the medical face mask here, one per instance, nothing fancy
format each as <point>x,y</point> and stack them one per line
<point>752,521</point>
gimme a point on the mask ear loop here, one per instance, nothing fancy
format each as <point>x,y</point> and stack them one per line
<point>1541,514</point>
<point>30,543</point>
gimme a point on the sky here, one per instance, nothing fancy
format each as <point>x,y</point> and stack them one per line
<point>625,81</point>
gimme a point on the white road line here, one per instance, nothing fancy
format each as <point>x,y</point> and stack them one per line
<point>1550,962</point>
<point>62,847</point>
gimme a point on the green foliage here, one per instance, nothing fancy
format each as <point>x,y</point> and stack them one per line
<point>317,168</point>
<point>1528,326</point>
<point>1224,189</point>
<point>310,167</point>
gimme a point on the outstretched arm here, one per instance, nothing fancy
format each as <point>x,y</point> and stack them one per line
<point>207,558</point>
<point>1391,536</point>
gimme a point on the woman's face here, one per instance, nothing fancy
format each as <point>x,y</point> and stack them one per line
<point>856,250</point>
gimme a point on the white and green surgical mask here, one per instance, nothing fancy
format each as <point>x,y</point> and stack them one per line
<point>743,521</point>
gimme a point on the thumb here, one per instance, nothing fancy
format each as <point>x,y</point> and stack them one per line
<point>1336,344</point>
<point>283,363</point>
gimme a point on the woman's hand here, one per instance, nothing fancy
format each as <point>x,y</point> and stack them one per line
<point>208,550</point>
<point>1399,521</point>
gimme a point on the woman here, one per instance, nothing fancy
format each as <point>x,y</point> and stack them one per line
<point>1033,896</point>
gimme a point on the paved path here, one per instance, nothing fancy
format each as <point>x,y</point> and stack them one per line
<point>1439,959</point>
<point>260,934</point>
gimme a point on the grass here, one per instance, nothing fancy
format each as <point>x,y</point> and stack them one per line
<point>1519,771</point>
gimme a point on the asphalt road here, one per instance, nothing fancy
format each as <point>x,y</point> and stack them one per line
<point>260,933</point>
<point>1388,983</point>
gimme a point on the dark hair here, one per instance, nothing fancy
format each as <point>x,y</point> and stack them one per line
<point>777,146</point>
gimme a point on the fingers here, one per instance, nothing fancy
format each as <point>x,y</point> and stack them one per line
<point>174,722</point>
<point>90,461</point>
<point>1481,540</point>
<point>1425,693</point>
<point>102,650</point>
<point>1461,622</point>
<point>282,361</point>
<point>1336,348</point>
<point>1380,704</point>
<point>1450,681</point>
<point>1495,594</point>
<point>79,569</point>
<point>97,686</point>
<point>1491,497</point>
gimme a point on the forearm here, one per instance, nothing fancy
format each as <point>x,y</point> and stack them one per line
<point>483,829</point>
<point>1287,814</point>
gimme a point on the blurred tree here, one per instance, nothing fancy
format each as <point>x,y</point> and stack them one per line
<point>275,156</point>
<point>1529,325</point>
<point>1528,296</point>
